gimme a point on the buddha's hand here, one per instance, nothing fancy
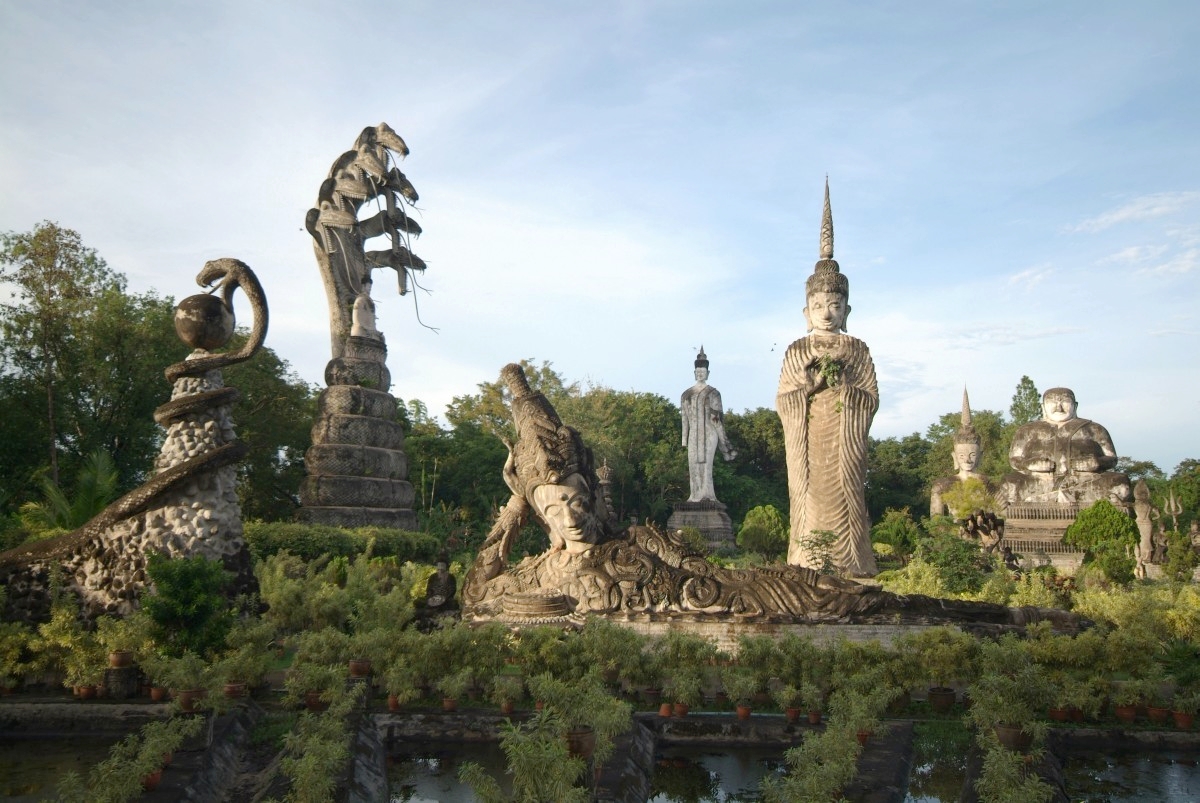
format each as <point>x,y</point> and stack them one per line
<point>1041,465</point>
<point>1087,464</point>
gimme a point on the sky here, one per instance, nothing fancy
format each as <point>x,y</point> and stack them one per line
<point>610,186</point>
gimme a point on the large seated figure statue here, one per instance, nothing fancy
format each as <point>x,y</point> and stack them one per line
<point>643,574</point>
<point>827,399</point>
<point>966,458</point>
<point>1063,459</point>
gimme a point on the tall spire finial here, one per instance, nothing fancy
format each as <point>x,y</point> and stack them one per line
<point>827,226</point>
<point>966,410</point>
<point>966,430</point>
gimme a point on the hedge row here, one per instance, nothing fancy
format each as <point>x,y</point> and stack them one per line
<point>311,541</point>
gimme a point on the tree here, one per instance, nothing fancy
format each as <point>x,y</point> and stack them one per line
<point>765,531</point>
<point>995,437</point>
<point>1139,469</point>
<point>1108,537</point>
<point>1026,403</point>
<point>896,475</point>
<point>55,280</point>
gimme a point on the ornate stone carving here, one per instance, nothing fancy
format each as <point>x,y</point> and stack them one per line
<point>827,399</point>
<point>357,469</point>
<point>190,506</point>
<point>703,435</point>
<point>590,568</point>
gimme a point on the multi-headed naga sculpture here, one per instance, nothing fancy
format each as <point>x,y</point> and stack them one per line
<point>357,469</point>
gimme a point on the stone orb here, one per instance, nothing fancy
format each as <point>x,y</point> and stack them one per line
<point>204,322</point>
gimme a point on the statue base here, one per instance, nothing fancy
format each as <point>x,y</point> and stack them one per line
<point>710,518</point>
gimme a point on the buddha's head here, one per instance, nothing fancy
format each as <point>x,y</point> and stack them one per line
<point>826,312</point>
<point>566,509</point>
<point>966,456</point>
<point>701,366</point>
<point>1058,405</point>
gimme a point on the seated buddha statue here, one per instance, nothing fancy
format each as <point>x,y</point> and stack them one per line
<point>1063,459</point>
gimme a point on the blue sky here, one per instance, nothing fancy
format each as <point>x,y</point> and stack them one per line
<point>608,186</point>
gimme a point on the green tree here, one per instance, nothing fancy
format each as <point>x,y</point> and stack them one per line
<point>1026,403</point>
<point>898,529</point>
<point>56,280</point>
<point>1108,537</point>
<point>765,531</point>
<point>95,487</point>
<point>758,475</point>
<point>274,416</point>
<point>896,475</point>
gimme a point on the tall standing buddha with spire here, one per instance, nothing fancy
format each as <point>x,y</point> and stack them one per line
<point>827,399</point>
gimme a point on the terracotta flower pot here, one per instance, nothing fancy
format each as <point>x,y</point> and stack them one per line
<point>87,692</point>
<point>814,717</point>
<point>313,701</point>
<point>681,709</point>
<point>1126,713</point>
<point>158,693</point>
<point>151,781</point>
<point>393,702</point>
<point>449,704</point>
<point>665,709</point>
<point>359,667</point>
<point>743,712</point>
<point>1059,714</point>
<point>581,742</point>
<point>1184,720</point>
<point>1013,738</point>
<point>234,689</point>
<point>941,699</point>
<point>863,737</point>
<point>188,699</point>
<point>792,714</point>
<point>507,708</point>
<point>1158,715</point>
<point>120,659</point>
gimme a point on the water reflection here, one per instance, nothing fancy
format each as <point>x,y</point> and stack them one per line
<point>1133,778</point>
<point>709,775</point>
<point>30,768</point>
<point>424,774</point>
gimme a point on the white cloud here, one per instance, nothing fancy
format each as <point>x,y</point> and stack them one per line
<point>1147,206</point>
<point>1134,255</point>
<point>1030,277</point>
<point>1186,262</point>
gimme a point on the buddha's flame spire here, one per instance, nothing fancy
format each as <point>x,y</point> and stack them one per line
<point>966,411</point>
<point>827,226</point>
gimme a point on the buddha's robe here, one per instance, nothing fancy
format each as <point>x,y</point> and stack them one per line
<point>703,432</point>
<point>825,434</point>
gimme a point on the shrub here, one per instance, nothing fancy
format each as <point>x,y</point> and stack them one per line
<point>898,530</point>
<point>188,609</point>
<point>764,531</point>
<point>1108,537</point>
<point>311,541</point>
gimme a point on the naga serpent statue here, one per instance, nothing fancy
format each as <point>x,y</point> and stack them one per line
<point>644,575</point>
<point>190,506</point>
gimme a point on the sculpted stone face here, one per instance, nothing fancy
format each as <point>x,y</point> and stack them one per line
<point>826,312</point>
<point>966,456</point>
<point>566,508</point>
<point>701,374</point>
<point>1058,408</point>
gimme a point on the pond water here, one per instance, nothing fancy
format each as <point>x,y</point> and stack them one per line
<point>429,774</point>
<point>712,775</point>
<point>1163,777</point>
<point>30,768</point>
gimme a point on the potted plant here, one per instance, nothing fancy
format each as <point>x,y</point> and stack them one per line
<point>812,700</point>
<point>1184,705</point>
<point>453,687</point>
<point>684,687</point>
<point>401,684</point>
<point>187,677</point>
<point>741,684</point>
<point>592,716</point>
<point>313,685</point>
<point>127,639</point>
<point>505,691</point>
<point>788,698</point>
<point>1126,697</point>
<point>946,654</point>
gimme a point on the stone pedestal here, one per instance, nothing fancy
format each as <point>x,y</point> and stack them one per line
<point>123,683</point>
<point>357,469</point>
<point>709,517</point>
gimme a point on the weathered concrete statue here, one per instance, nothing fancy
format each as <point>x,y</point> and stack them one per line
<point>190,506</point>
<point>703,431</point>
<point>357,469</point>
<point>1063,459</point>
<point>638,575</point>
<point>827,399</point>
<point>966,458</point>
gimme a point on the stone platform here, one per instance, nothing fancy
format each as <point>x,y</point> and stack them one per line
<point>709,517</point>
